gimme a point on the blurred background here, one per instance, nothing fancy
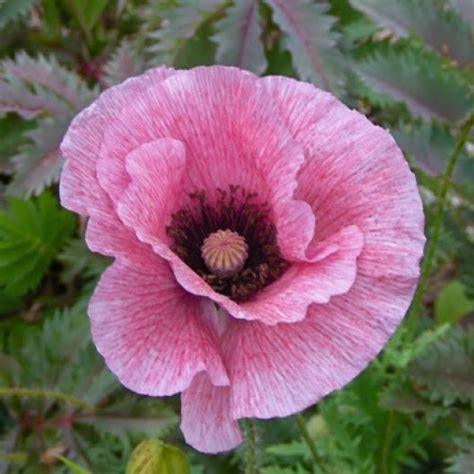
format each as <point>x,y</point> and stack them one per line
<point>406,64</point>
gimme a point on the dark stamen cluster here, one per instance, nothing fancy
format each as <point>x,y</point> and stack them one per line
<point>240,212</point>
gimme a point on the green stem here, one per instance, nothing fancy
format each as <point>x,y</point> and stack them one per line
<point>387,442</point>
<point>250,442</point>
<point>40,393</point>
<point>300,423</point>
<point>432,243</point>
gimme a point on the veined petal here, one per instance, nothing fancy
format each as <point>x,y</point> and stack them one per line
<point>150,331</point>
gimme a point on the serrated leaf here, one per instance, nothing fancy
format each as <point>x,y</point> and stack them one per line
<point>12,128</point>
<point>419,79</point>
<point>238,38</point>
<point>31,235</point>
<point>78,260</point>
<point>401,398</point>
<point>86,12</point>
<point>39,162</point>
<point>45,353</point>
<point>154,457</point>
<point>12,9</point>
<point>31,86</point>
<point>125,62</point>
<point>445,368</point>
<point>429,145</point>
<point>440,29</point>
<point>310,40</point>
<point>463,461</point>
<point>179,24</point>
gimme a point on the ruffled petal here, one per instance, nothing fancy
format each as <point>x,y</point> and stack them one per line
<point>287,300</point>
<point>282,369</point>
<point>206,420</point>
<point>156,170</point>
<point>354,173</point>
<point>79,188</point>
<point>232,136</point>
<point>150,331</point>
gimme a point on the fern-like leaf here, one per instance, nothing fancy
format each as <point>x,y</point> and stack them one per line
<point>441,29</point>
<point>446,368</point>
<point>131,415</point>
<point>179,24</point>
<point>39,162</point>
<point>31,235</point>
<point>12,9</point>
<point>125,62</point>
<point>428,146</point>
<point>421,80</point>
<point>13,129</point>
<point>310,40</point>
<point>31,86</point>
<point>463,460</point>
<point>238,38</point>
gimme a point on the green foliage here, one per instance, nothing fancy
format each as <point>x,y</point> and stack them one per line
<point>31,86</point>
<point>310,39</point>
<point>11,10</point>
<point>57,362</point>
<point>445,369</point>
<point>406,64</point>
<point>439,28</point>
<point>38,87</point>
<point>238,37</point>
<point>178,25</point>
<point>452,303</point>
<point>428,146</point>
<point>125,62</point>
<point>39,161</point>
<point>429,88</point>
<point>31,235</point>
<point>75,469</point>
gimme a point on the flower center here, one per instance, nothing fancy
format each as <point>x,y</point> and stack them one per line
<point>231,243</point>
<point>224,253</point>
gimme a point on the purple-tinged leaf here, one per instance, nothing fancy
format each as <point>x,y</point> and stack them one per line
<point>178,25</point>
<point>12,9</point>
<point>39,162</point>
<point>125,62</point>
<point>420,79</point>
<point>310,40</point>
<point>238,38</point>
<point>428,147</point>
<point>46,79</point>
<point>442,30</point>
<point>16,97</point>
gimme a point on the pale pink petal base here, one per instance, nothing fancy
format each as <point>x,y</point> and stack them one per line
<point>206,421</point>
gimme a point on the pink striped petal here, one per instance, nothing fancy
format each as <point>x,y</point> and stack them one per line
<point>206,417</point>
<point>249,147</point>
<point>282,369</point>
<point>79,188</point>
<point>150,331</point>
<point>353,174</point>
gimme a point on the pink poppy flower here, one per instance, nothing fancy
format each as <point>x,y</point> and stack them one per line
<point>266,240</point>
